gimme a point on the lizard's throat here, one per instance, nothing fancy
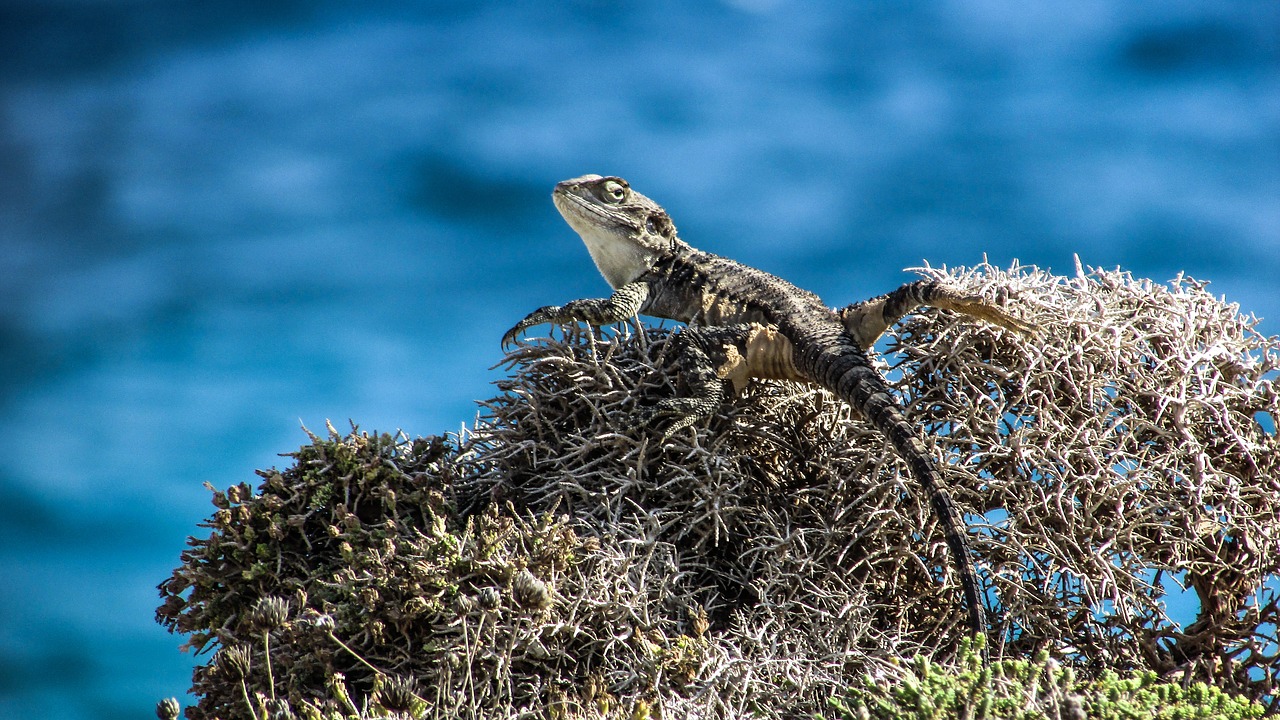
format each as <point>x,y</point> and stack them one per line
<point>618,259</point>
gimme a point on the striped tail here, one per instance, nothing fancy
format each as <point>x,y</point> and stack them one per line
<point>851,377</point>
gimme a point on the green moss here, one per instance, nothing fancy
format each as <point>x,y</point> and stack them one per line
<point>1038,689</point>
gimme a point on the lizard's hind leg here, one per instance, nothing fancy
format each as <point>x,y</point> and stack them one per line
<point>868,319</point>
<point>717,361</point>
<point>698,368</point>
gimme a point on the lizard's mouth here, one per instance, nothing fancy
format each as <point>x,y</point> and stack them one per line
<point>584,213</point>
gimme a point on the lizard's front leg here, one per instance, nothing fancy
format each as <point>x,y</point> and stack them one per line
<point>626,302</point>
<point>716,361</point>
<point>866,321</point>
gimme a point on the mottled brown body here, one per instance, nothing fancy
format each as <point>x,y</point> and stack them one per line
<point>744,323</point>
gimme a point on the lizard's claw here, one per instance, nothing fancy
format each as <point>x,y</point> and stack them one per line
<point>509,337</point>
<point>537,317</point>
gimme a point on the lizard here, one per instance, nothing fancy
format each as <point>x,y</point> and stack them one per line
<point>744,323</point>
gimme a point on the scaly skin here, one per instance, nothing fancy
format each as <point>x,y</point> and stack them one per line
<point>746,323</point>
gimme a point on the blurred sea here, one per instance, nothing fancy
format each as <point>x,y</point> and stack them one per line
<point>220,219</point>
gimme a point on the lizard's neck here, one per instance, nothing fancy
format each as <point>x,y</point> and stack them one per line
<point>619,261</point>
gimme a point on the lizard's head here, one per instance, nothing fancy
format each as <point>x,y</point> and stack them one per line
<point>625,232</point>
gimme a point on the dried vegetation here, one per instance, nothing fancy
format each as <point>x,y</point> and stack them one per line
<point>556,561</point>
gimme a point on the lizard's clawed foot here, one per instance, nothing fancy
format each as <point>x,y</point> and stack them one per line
<point>977,307</point>
<point>542,315</point>
<point>682,412</point>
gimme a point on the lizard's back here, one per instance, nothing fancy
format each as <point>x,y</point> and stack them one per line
<point>707,289</point>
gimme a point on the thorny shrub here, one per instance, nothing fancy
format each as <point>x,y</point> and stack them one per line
<point>557,560</point>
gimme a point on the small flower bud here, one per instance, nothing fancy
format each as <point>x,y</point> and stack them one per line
<point>280,709</point>
<point>235,661</point>
<point>270,612</point>
<point>530,592</point>
<point>490,598</point>
<point>398,695</point>
<point>167,709</point>
<point>321,621</point>
<point>699,622</point>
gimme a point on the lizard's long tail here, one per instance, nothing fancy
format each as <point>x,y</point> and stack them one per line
<point>851,376</point>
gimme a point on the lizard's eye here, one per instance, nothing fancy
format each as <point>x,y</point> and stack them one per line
<point>613,192</point>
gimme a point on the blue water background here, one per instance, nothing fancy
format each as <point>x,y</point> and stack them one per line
<point>220,219</point>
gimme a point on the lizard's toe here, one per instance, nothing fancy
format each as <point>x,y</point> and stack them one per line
<point>537,317</point>
<point>983,310</point>
<point>681,412</point>
<point>509,338</point>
